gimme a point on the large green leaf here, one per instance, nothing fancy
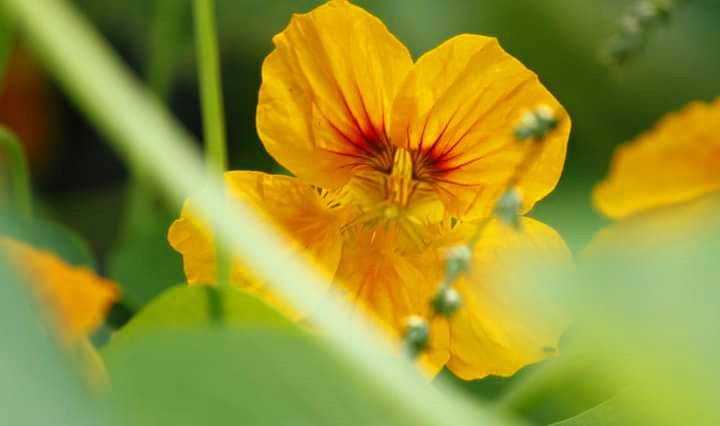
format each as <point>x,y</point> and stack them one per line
<point>39,385</point>
<point>230,376</point>
<point>610,413</point>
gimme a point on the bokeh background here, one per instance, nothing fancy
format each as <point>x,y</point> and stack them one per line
<point>80,182</point>
<point>75,173</point>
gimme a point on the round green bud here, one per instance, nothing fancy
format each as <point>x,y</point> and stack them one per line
<point>457,261</point>
<point>447,301</point>
<point>417,335</point>
<point>509,206</point>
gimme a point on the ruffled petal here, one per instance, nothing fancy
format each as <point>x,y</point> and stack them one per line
<point>677,161</point>
<point>308,216</point>
<point>507,321</point>
<point>456,112</point>
<point>326,93</point>
<point>389,286</point>
<point>76,298</point>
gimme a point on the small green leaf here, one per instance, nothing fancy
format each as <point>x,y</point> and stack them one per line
<point>49,236</point>
<point>15,169</point>
<point>188,306</point>
<point>143,263</point>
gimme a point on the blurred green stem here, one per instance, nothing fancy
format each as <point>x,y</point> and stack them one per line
<point>208,60</point>
<point>7,39</point>
<point>12,154</point>
<point>164,46</point>
<point>210,84</point>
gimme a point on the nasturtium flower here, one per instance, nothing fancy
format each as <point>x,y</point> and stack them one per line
<point>393,162</point>
<point>75,299</point>
<point>675,162</point>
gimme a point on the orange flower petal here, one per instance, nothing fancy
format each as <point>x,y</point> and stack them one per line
<point>76,298</point>
<point>457,110</point>
<point>391,286</point>
<point>505,322</point>
<point>310,217</point>
<point>676,161</point>
<point>326,93</point>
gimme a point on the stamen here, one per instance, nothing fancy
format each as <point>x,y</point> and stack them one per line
<point>400,181</point>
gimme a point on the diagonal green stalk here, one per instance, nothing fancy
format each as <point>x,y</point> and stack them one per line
<point>144,133</point>
<point>20,188</point>
<point>208,60</point>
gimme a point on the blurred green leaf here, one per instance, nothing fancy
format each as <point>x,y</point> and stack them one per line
<point>39,385</point>
<point>645,304</point>
<point>188,306</point>
<point>558,388</point>
<point>610,413</point>
<point>15,168</point>
<point>143,263</point>
<point>240,376</point>
<point>49,236</point>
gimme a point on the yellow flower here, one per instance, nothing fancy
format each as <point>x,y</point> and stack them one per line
<point>388,155</point>
<point>677,161</point>
<point>76,299</point>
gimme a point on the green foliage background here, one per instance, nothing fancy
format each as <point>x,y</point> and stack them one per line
<point>641,352</point>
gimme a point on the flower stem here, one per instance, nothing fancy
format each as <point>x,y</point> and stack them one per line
<point>12,154</point>
<point>165,46</point>
<point>212,109</point>
<point>209,74</point>
<point>7,40</point>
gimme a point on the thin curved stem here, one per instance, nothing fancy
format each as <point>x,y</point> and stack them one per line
<point>12,154</point>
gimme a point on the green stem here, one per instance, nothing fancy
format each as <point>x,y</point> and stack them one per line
<point>7,39</point>
<point>210,82</point>
<point>208,60</point>
<point>164,46</point>
<point>143,196</point>
<point>12,153</point>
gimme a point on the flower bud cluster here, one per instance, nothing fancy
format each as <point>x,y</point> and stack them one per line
<point>635,29</point>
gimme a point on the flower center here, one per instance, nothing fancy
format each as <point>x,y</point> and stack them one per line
<point>399,185</point>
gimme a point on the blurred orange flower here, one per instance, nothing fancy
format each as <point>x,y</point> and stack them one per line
<point>388,155</point>
<point>77,299</point>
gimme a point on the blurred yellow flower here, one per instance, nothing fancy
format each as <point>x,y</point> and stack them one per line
<point>675,162</point>
<point>388,155</point>
<point>76,299</point>
<point>664,185</point>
